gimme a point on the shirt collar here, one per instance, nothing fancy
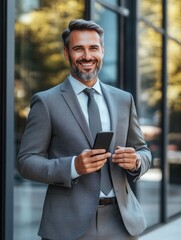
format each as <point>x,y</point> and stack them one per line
<point>79,87</point>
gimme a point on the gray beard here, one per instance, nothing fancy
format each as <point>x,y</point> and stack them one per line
<point>85,76</point>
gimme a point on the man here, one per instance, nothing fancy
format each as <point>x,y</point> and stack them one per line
<point>56,149</point>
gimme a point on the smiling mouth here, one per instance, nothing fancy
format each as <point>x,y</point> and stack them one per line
<point>87,64</point>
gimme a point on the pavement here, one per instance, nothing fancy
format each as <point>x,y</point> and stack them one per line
<point>168,231</point>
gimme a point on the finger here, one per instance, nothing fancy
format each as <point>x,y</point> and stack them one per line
<point>91,156</point>
<point>92,152</point>
<point>89,161</point>
<point>100,157</point>
<point>124,156</point>
<point>126,166</point>
<point>120,149</point>
<point>94,166</point>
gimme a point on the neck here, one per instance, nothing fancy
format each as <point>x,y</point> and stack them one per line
<point>89,83</point>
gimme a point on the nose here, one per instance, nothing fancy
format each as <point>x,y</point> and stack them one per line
<point>87,55</point>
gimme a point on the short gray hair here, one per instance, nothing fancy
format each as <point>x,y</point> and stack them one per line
<point>81,24</point>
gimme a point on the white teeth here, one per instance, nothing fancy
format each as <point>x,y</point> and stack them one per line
<point>86,64</point>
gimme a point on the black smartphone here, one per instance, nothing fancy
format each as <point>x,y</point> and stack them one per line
<point>103,140</point>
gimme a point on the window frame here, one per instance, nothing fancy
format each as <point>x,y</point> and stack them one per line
<point>7,117</point>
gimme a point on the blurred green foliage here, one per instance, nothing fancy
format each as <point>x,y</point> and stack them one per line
<point>150,53</point>
<point>39,59</point>
<point>40,63</point>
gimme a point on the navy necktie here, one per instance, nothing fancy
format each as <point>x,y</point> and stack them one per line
<point>95,126</point>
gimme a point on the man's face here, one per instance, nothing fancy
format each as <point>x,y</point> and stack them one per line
<point>85,55</point>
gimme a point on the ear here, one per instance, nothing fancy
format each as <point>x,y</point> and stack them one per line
<point>66,53</point>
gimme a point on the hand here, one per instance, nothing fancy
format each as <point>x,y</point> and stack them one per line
<point>125,157</point>
<point>91,160</point>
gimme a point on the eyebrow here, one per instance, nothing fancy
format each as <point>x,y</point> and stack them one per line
<point>81,46</point>
<point>77,46</point>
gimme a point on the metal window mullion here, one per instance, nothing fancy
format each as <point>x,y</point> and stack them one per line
<point>115,8</point>
<point>2,113</point>
<point>163,207</point>
<point>9,118</point>
<point>89,9</point>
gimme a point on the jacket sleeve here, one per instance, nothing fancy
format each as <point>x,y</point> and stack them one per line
<point>136,140</point>
<point>33,160</point>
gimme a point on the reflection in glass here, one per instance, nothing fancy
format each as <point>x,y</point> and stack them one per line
<point>152,11</point>
<point>39,64</point>
<point>115,2</point>
<point>150,83</point>
<point>174,18</point>
<point>174,135</point>
<point>109,72</point>
<point>150,95</point>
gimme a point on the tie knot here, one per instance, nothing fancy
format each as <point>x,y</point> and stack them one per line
<point>90,92</point>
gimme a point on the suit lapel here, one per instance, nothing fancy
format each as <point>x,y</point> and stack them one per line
<point>112,104</point>
<point>72,102</point>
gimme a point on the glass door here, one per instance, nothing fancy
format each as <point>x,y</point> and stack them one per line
<point>39,64</point>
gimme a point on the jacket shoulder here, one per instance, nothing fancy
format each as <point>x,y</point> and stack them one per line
<point>117,91</point>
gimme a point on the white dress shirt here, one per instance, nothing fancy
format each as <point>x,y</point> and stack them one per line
<point>78,88</point>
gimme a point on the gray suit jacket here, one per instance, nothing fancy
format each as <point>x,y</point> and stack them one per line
<point>56,131</point>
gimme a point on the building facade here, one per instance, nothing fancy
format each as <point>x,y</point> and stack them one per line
<point>142,56</point>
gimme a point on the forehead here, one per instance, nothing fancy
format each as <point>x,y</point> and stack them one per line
<point>87,37</point>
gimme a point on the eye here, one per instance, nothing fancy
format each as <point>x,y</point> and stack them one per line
<point>94,48</point>
<point>78,49</point>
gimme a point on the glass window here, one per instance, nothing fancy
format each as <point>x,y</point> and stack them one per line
<point>39,64</point>
<point>152,11</point>
<point>150,95</point>
<point>111,1</point>
<point>109,72</point>
<point>174,19</point>
<point>174,134</point>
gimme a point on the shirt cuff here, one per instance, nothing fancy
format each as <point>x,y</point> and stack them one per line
<point>74,173</point>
